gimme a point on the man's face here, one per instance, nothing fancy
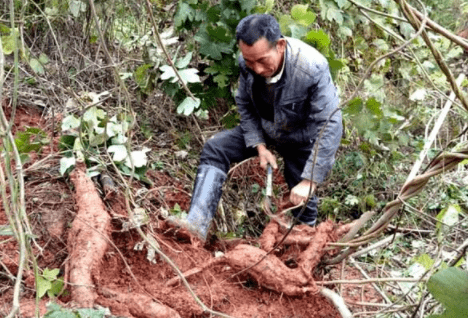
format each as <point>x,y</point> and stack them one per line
<point>264,60</point>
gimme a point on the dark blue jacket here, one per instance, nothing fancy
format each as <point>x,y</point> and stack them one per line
<point>302,105</point>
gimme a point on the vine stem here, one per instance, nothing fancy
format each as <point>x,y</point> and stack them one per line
<point>416,23</point>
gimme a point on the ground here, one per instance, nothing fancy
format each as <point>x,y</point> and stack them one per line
<point>123,278</point>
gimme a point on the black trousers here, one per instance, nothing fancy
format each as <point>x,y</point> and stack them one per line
<point>228,147</point>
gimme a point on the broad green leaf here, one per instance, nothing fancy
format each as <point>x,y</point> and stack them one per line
<point>374,107</point>
<point>70,122</point>
<point>77,145</point>
<point>44,59</point>
<point>184,12</point>
<point>219,33</point>
<point>8,43</point>
<point>188,106</point>
<point>97,139</point>
<point>222,80</point>
<point>341,3</point>
<point>455,52</point>
<point>56,288</point>
<point>319,39</point>
<point>297,31</point>
<point>188,76</point>
<point>285,21</point>
<point>37,66</point>
<point>450,287</point>
<point>269,4</point>
<point>335,14</point>
<point>43,285</point>
<point>119,151</point>
<point>210,48</point>
<point>184,62</point>
<point>142,76</point>
<point>354,107</point>
<point>50,274</point>
<point>302,15</point>
<point>139,158</point>
<point>168,72</point>
<point>93,116</point>
<point>425,260</point>
<point>66,163</point>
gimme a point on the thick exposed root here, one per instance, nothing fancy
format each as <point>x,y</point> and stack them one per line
<point>139,305</point>
<point>88,238</point>
<point>271,272</point>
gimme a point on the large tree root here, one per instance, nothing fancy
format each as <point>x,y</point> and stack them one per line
<point>87,240</point>
<point>139,305</point>
<point>87,243</point>
<point>271,272</point>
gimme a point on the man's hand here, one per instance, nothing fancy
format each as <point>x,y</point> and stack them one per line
<point>300,192</point>
<point>266,157</point>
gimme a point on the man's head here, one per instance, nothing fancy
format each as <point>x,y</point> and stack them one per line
<point>261,44</point>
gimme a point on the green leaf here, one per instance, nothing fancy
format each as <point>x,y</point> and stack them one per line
<point>210,48</point>
<point>139,158</point>
<point>297,31</point>
<point>93,116</point>
<point>184,62</point>
<point>119,151</point>
<point>300,13</point>
<point>189,76</point>
<point>335,14</point>
<point>188,106</point>
<point>184,12</point>
<point>50,274</point>
<point>141,75</point>
<point>425,260</point>
<point>66,163</point>
<point>37,66</point>
<point>319,39</point>
<point>43,285</point>
<point>450,287</point>
<point>341,3</point>
<point>92,313</point>
<point>219,33</point>
<point>354,107</point>
<point>168,72</point>
<point>70,122</point>
<point>56,288</point>
<point>374,107</point>
<point>44,59</point>
<point>222,80</point>
<point>8,43</point>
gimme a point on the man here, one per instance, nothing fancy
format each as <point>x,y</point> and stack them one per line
<point>285,97</point>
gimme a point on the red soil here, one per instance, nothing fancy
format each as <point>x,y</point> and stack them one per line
<point>129,285</point>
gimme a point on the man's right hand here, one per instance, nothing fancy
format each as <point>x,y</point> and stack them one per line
<point>266,157</point>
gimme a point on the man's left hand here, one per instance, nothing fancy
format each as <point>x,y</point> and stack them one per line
<point>300,192</point>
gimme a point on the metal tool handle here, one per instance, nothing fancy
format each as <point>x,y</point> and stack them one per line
<point>269,181</point>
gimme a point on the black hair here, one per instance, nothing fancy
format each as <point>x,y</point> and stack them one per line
<point>256,26</point>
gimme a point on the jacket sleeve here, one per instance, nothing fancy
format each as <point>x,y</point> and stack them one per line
<point>250,121</point>
<point>323,104</point>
